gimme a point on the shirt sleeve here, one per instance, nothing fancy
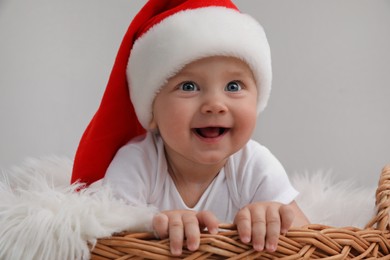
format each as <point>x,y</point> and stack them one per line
<point>262,177</point>
<point>130,174</point>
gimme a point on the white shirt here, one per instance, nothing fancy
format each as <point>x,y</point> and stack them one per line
<point>139,174</point>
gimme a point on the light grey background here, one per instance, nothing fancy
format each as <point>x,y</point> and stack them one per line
<point>329,107</point>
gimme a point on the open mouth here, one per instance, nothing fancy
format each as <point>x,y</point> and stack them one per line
<point>211,132</point>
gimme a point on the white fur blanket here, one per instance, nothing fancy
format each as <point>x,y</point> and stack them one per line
<point>43,217</point>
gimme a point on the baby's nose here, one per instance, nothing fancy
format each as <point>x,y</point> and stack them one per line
<point>214,106</point>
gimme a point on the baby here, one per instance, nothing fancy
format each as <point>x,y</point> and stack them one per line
<point>174,127</point>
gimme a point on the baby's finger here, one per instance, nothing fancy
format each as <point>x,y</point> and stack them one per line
<point>273,229</point>
<point>160,225</point>
<point>287,217</point>
<point>209,220</point>
<point>259,228</point>
<point>176,234</point>
<point>191,231</point>
<point>244,225</point>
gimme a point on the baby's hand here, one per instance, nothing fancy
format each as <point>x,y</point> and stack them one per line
<point>184,224</point>
<point>263,222</point>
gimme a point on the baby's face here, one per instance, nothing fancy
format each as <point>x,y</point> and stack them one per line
<point>207,111</point>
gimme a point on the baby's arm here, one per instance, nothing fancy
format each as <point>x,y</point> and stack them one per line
<point>263,222</point>
<point>180,224</point>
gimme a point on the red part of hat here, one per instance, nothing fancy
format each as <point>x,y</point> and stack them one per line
<point>116,123</point>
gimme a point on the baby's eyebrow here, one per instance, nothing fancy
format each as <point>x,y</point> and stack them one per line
<point>229,71</point>
<point>184,75</point>
<point>236,72</point>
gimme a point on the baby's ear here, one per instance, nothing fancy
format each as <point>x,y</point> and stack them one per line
<point>153,124</point>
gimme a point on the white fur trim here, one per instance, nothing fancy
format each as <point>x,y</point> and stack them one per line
<point>43,217</point>
<point>191,35</point>
<point>338,204</point>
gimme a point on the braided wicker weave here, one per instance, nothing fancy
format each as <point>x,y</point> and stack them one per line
<point>309,242</point>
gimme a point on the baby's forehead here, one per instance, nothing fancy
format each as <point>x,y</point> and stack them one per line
<point>229,64</point>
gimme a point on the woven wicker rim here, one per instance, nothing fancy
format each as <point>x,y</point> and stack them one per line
<point>313,241</point>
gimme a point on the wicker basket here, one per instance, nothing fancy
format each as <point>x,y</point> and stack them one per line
<point>309,242</point>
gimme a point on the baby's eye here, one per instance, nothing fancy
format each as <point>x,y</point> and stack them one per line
<point>233,86</point>
<point>189,86</point>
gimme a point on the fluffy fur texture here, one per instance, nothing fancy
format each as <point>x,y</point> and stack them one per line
<point>332,203</point>
<point>214,31</point>
<point>43,217</point>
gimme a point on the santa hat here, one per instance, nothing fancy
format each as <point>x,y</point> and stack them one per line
<point>165,36</point>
